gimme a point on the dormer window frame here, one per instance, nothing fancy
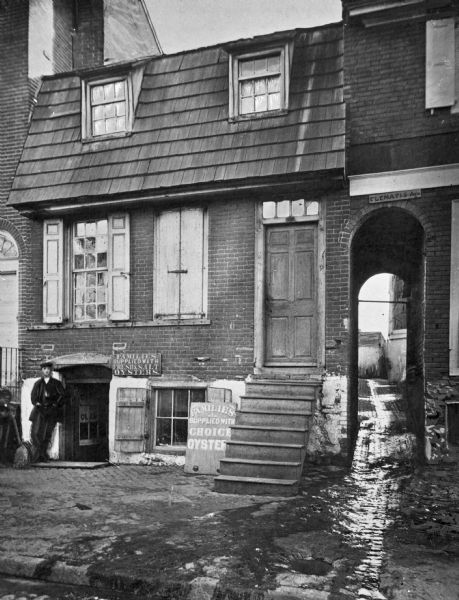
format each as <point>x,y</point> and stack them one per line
<point>87,85</point>
<point>236,57</point>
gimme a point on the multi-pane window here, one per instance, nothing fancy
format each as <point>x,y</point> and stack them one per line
<point>259,84</point>
<point>90,424</point>
<point>98,285</point>
<point>284,209</point>
<point>108,107</point>
<point>90,270</point>
<point>172,412</point>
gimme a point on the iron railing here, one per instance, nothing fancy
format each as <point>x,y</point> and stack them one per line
<point>10,371</point>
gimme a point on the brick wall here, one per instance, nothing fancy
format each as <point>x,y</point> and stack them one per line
<point>88,45</point>
<point>227,341</point>
<point>388,126</point>
<point>63,35</point>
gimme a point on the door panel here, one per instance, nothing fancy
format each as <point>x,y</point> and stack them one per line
<point>290,295</point>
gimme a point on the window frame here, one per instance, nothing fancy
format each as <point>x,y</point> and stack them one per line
<point>155,390</point>
<point>86,107</point>
<point>234,98</point>
<point>65,275</point>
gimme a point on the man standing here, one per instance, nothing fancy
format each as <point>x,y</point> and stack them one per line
<point>48,397</point>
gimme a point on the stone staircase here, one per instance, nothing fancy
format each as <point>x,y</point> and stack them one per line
<point>266,452</point>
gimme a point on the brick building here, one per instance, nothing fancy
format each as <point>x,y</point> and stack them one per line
<point>401,81</point>
<point>177,207</point>
<point>202,223</point>
<point>42,37</point>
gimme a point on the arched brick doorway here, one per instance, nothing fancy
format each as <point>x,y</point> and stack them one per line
<point>391,240</point>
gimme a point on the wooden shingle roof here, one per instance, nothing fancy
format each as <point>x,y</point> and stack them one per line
<point>181,135</point>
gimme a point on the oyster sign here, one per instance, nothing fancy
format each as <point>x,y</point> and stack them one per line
<point>209,427</point>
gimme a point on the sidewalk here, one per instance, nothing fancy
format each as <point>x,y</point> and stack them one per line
<point>160,533</point>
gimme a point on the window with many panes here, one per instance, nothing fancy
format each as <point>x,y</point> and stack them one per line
<point>106,107</point>
<point>171,415</point>
<point>90,270</point>
<point>259,82</point>
<point>97,288</point>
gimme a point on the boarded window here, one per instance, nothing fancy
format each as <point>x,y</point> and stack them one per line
<point>440,63</point>
<point>180,290</point>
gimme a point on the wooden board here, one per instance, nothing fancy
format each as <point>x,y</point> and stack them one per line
<point>208,429</point>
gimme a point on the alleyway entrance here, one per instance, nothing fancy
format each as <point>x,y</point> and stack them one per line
<point>391,240</point>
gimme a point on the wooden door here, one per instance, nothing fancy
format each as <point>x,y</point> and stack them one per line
<point>86,422</point>
<point>290,295</point>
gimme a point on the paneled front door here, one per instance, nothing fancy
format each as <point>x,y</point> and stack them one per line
<point>290,295</point>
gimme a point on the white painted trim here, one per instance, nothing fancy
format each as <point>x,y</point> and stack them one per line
<point>409,179</point>
<point>354,12</point>
<point>454,292</point>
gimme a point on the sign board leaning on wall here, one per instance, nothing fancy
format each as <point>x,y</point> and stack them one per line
<point>209,426</point>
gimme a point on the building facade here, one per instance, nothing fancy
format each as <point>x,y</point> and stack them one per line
<point>37,38</point>
<point>201,225</point>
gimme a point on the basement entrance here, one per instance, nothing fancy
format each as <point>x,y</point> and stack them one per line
<point>85,428</point>
<point>391,241</point>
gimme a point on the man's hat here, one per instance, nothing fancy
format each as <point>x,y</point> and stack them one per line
<point>47,363</point>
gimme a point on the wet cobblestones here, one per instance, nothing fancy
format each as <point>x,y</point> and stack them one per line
<point>326,544</point>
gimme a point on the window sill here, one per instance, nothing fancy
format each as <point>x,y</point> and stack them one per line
<point>103,138</point>
<point>260,115</point>
<point>121,324</point>
<point>177,451</point>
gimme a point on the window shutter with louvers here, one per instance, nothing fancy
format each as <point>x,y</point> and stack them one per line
<point>53,269</point>
<point>440,61</point>
<point>119,272</point>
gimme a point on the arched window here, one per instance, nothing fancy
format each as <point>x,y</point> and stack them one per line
<point>8,247</point>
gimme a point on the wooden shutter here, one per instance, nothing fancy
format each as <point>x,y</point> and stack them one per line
<point>130,420</point>
<point>192,263</point>
<point>440,61</point>
<point>53,269</point>
<point>167,265</point>
<point>454,292</point>
<point>119,271</point>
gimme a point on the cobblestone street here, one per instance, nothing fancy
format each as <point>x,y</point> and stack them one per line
<point>158,533</point>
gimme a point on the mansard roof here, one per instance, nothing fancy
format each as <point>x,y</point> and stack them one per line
<point>182,137</point>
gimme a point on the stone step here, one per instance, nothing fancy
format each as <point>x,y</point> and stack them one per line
<point>227,484</point>
<point>308,389</point>
<point>285,404</point>
<point>278,418</point>
<point>265,451</point>
<point>242,467</point>
<point>266,433</point>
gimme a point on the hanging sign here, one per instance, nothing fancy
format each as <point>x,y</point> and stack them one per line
<point>394,196</point>
<point>209,427</point>
<point>131,364</point>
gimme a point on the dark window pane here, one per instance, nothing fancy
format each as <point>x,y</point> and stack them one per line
<point>180,431</point>
<point>198,395</point>
<point>181,403</point>
<point>164,403</point>
<point>83,431</point>
<point>163,432</point>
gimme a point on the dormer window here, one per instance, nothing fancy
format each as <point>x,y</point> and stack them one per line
<point>259,83</point>
<point>107,110</point>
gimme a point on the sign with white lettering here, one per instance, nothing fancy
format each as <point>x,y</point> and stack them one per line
<point>145,364</point>
<point>209,426</point>
<point>394,196</point>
